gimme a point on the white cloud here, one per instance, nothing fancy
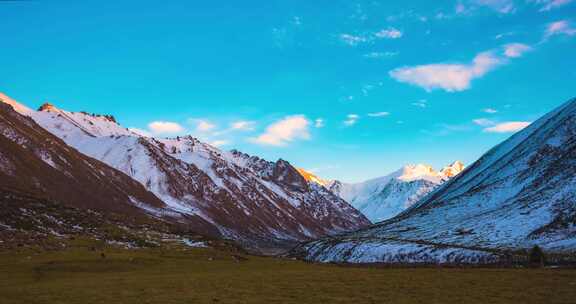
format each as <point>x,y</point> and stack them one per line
<point>351,120</point>
<point>450,77</point>
<point>242,125</point>
<point>489,110</point>
<point>506,127</point>
<point>483,122</point>
<point>284,131</point>
<point>503,127</point>
<point>378,114</point>
<point>559,28</point>
<point>390,33</point>
<point>161,127</point>
<point>319,123</point>
<point>514,50</point>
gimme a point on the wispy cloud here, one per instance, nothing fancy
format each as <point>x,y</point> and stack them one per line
<point>286,36</point>
<point>351,120</point>
<point>451,77</point>
<point>164,127</point>
<point>507,127</point>
<point>500,6</point>
<point>490,110</point>
<point>483,122</point>
<point>444,129</point>
<point>561,27</point>
<point>502,35</point>
<point>514,50</point>
<point>380,55</point>
<point>422,103</point>
<point>366,37</point>
<point>389,33</point>
<point>548,5</point>
<point>319,123</point>
<point>378,114</point>
<point>204,125</point>
<point>284,131</point>
<point>353,40</point>
<point>491,126</point>
<point>460,8</point>
<point>296,21</point>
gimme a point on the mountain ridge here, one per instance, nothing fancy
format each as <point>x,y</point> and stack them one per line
<point>248,199</point>
<point>386,196</point>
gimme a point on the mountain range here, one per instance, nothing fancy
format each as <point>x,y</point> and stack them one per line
<point>237,196</point>
<point>517,195</point>
<point>384,197</point>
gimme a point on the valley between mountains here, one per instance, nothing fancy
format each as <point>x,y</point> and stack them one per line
<point>76,174</point>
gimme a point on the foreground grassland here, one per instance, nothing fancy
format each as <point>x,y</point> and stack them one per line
<point>81,275</point>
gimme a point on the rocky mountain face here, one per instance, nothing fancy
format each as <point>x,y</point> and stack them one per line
<point>33,160</point>
<point>519,194</point>
<point>384,197</point>
<point>246,198</point>
<point>37,163</point>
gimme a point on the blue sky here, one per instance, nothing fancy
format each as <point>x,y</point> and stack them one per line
<point>348,89</point>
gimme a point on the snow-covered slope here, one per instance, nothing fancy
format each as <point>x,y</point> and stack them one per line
<point>309,176</point>
<point>247,198</point>
<point>519,194</point>
<point>35,162</point>
<point>384,197</point>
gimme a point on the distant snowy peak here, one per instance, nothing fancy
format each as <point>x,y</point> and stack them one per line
<point>454,169</point>
<point>419,171</point>
<point>384,197</point>
<point>427,172</point>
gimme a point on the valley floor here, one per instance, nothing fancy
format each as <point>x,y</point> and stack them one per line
<point>201,275</point>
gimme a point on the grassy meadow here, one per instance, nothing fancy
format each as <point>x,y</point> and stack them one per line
<point>84,274</point>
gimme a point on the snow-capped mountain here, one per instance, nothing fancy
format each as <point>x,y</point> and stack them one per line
<point>384,197</point>
<point>310,177</point>
<point>249,199</point>
<point>519,194</point>
<point>35,162</point>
